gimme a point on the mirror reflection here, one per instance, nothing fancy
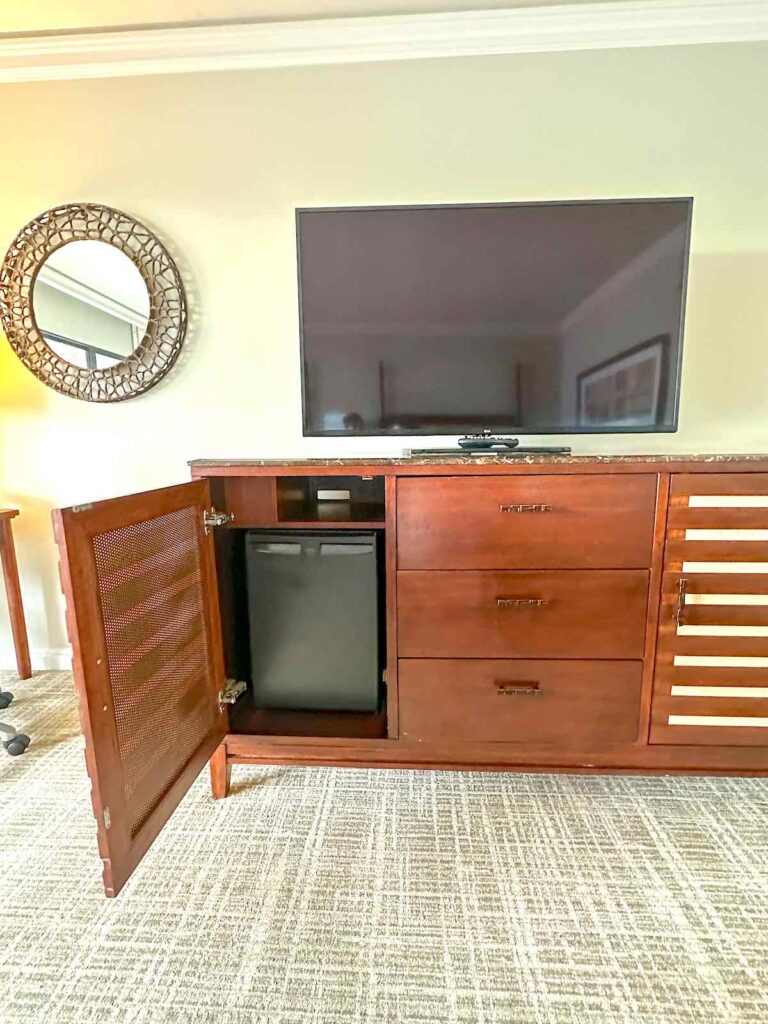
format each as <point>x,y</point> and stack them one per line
<point>91,304</point>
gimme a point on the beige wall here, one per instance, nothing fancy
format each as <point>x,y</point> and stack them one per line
<point>217,163</point>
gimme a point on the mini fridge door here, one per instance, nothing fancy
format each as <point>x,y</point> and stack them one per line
<point>314,620</point>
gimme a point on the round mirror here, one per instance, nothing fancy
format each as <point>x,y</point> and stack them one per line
<point>91,304</point>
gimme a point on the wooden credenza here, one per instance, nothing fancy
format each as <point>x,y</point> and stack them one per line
<point>542,614</point>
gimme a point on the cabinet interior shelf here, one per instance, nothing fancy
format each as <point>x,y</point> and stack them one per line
<point>245,719</point>
<point>300,500</point>
<point>332,524</point>
<point>329,513</point>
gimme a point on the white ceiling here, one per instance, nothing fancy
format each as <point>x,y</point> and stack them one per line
<point>78,15</point>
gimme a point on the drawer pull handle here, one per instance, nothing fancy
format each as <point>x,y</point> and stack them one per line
<point>523,689</point>
<point>682,584</point>
<point>525,508</point>
<point>520,602</point>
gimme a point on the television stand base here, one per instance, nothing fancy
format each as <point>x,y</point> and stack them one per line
<point>486,441</point>
<point>504,453</point>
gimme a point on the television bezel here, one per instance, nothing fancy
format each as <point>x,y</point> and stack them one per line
<point>673,380</point>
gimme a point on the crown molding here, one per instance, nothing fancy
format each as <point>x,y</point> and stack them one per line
<point>580,26</point>
<point>75,289</point>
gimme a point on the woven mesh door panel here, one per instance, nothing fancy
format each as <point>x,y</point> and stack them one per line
<point>152,601</point>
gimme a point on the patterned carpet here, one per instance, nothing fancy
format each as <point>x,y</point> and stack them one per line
<point>327,896</point>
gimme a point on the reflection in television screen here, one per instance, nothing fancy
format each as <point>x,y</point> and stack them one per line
<point>535,318</point>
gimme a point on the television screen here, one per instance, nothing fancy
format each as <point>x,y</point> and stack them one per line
<point>533,318</point>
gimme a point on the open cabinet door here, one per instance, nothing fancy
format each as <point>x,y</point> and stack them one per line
<point>139,578</point>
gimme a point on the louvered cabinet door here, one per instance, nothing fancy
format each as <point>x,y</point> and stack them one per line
<point>711,682</point>
<point>139,578</point>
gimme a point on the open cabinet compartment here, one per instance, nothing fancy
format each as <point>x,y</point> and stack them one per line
<point>244,716</point>
<point>356,500</point>
<point>302,501</point>
<point>155,595</point>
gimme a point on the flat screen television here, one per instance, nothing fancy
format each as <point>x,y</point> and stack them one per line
<point>532,318</point>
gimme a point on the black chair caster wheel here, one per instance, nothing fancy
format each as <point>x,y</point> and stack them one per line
<point>17,745</point>
<point>5,700</point>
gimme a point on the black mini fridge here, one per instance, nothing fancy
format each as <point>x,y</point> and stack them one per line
<point>314,609</point>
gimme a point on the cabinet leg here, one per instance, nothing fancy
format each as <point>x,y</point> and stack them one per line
<point>16,608</point>
<point>221,773</point>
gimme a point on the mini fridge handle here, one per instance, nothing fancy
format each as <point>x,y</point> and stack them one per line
<point>278,549</point>
<point>346,549</point>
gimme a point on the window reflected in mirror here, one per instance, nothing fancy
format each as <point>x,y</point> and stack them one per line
<point>91,304</point>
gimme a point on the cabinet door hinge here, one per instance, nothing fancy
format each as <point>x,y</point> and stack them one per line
<point>107,818</point>
<point>212,517</point>
<point>233,690</point>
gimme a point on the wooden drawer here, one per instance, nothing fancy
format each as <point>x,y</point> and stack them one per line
<point>526,522</point>
<point>582,704</point>
<point>568,614</point>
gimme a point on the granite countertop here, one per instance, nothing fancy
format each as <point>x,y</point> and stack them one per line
<point>480,460</point>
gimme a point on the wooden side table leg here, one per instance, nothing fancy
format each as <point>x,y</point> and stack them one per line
<point>221,773</point>
<point>16,608</point>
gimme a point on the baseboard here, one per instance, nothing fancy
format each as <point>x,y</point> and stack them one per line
<point>43,659</point>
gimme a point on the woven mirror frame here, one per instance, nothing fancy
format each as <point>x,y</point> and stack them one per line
<point>167,324</point>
